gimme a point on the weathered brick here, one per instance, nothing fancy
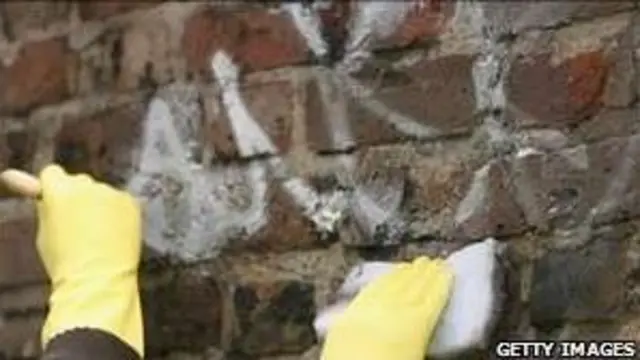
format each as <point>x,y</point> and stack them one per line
<point>583,185</point>
<point>149,53</point>
<point>273,316</point>
<point>623,76</point>
<point>489,208</point>
<point>99,62</point>
<point>438,184</point>
<point>101,143</point>
<point>582,284</point>
<point>608,123</point>
<point>517,17</point>
<point>271,104</point>
<point>256,39</point>
<point>540,93</point>
<point>376,216</point>
<point>20,263</point>
<point>431,98</point>
<point>38,76</point>
<point>614,174</point>
<point>182,312</point>
<point>98,10</point>
<point>20,337</point>
<point>553,190</point>
<point>440,96</point>
<point>21,17</point>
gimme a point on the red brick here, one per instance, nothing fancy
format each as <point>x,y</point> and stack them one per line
<point>97,10</point>
<point>286,229</point>
<point>541,93</point>
<point>20,261</point>
<point>435,93</point>
<point>256,39</point>
<point>271,105</point>
<point>20,17</point>
<point>427,20</point>
<point>101,144</point>
<point>38,76</point>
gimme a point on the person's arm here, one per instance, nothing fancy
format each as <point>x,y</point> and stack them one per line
<point>89,238</point>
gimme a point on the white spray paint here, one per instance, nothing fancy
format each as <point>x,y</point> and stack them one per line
<point>373,21</point>
<point>326,211</point>
<point>308,23</point>
<point>469,311</point>
<point>189,211</point>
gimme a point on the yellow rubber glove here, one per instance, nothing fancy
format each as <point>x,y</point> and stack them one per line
<point>394,316</point>
<point>89,239</point>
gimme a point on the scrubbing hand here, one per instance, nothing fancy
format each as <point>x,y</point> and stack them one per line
<point>89,239</point>
<point>393,315</point>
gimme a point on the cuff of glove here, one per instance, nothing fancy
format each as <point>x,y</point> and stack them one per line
<point>109,304</point>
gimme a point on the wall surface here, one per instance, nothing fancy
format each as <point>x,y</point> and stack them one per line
<point>276,145</point>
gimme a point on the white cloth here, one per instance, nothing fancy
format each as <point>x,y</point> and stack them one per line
<point>470,309</point>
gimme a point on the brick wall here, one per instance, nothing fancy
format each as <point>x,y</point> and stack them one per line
<point>276,145</point>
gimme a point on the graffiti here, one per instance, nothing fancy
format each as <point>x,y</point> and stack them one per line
<point>194,209</point>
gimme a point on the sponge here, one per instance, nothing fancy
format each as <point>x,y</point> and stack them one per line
<point>470,312</point>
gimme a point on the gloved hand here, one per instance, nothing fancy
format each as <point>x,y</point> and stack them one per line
<point>89,239</point>
<point>394,316</point>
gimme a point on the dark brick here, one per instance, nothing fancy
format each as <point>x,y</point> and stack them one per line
<point>38,76</point>
<point>20,337</point>
<point>20,263</point>
<point>182,312</point>
<point>17,151</point>
<point>274,317</point>
<point>24,300</point>
<point>101,144</point>
<point>584,284</point>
